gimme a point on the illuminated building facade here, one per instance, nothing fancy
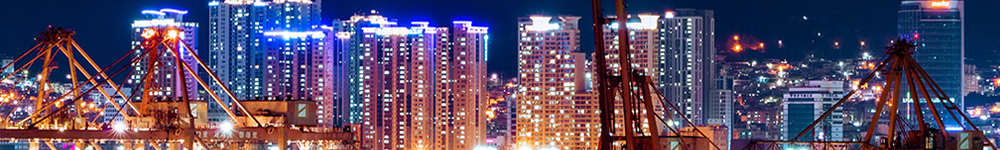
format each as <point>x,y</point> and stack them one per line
<point>687,61</point>
<point>269,49</point>
<point>419,87</point>
<point>554,108</point>
<point>164,74</point>
<point>721,98</point>
<point>971,80</point>
<point>109,114</point>
<point>643,45</point>
<point>349,38</point>
<point>466,93</point>
<point>805,103</point>
<point>4,61</point>
<point>938,29</point>
<point>337,66</point>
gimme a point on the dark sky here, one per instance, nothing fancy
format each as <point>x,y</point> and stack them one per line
<point>103,25</point>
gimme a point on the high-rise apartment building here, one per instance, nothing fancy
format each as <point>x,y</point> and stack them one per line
<point>720,112</point>
<point>270,49</point>
<point>804,104</point>
<point>554,108</point>
<point>349,42</point>
<point>643,37</point>
<point>337,67</point>
<point>938,29</point>
<point>687,60</point>
<point>467,94</point>
<point>160,68</point>
<point>418,87</point>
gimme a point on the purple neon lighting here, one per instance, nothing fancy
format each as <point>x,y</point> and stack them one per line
<point>165,10</point>
<point>285,34</point>
<point>152,12</point>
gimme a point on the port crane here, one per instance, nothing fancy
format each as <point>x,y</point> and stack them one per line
<point>637,93</point>
<point>147,119</point>
<point>898,66</point>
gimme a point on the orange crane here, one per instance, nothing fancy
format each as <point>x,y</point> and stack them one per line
<point>638,93</point>
<point>899,65</point>
<point>158,123</point>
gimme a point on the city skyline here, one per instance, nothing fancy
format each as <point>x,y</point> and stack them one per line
<point>877,24</point>
<point>415,77</point>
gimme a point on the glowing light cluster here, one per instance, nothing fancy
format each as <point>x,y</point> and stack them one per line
<point>343,35</point>
<point>479,29</point>
<point>152,12</point>
<point>541,23</point>
<point>172,34</point>
<point>398,30</point>
<point>226,127</point>
<point>778,69</point>
<point>491,115</point>
<point>645,22</point>
<point>7,97</point>
<point>148,33</point>
<point>155,22</point>
<point>294,1</point>
<point>977,112</point>
<point>420,23</point>
<point>374,19</point>
<point>481,147</point>
<point>239,2</point>
<point>289,35</point>
<point>164,11</point>
<point>119,127</point>
<point>259,4</point>
<point>940,4</point>
<point>168,10</point>
<point>466,23</point>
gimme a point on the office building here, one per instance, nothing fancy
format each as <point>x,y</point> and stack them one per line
<point>805,102</point>
<point>270,50</point>
<point>158,68</point>
<point>939,31</point>
<point>687,61</point>
<point>554,109</point>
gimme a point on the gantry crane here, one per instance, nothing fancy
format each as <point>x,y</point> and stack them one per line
<point>179,124</point>
<point>637,93</point>
<point>899,65</point>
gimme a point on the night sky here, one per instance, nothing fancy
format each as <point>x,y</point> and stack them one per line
<point>103,25</point>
